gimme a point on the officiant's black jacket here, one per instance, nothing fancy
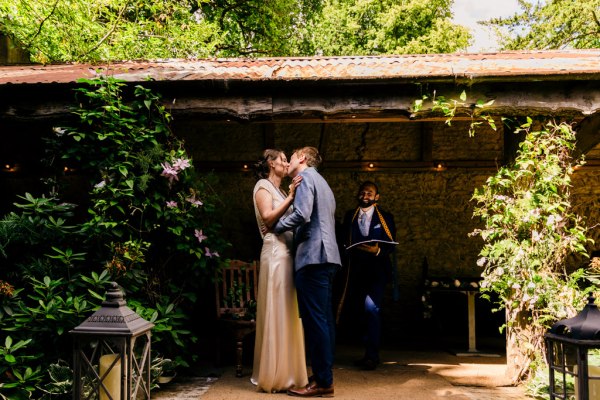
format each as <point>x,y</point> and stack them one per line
<point>377,231</point>
<point>362,270</point>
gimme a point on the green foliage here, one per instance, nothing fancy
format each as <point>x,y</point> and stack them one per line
<point>23,378</point>
<point>147,202</point>
<point>551,24</point>
<point>171,327</point>
<point>257,27</point>
<point>150,225</point>
<point>79,30</point>
<point>35,321</point>
<point>537,386</point>
<point>61,381</point>
<point>161,366</point>
<point>449,107</point>
<point>375,27</point>
<point>43,223</point>
<point>44,291</point>
<point>529,231</point>
<point>149,210</point>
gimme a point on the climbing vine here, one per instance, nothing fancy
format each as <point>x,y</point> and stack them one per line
<point>529,230</point>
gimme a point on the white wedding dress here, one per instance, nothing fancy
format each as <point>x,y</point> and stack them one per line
<point>279,357</point>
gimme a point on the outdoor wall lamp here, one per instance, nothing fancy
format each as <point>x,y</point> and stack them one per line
<point>11,167</point>
<point>573,355</point>
<point>111,353</point>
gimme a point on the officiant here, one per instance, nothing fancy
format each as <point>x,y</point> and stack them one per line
<point>369,236</point>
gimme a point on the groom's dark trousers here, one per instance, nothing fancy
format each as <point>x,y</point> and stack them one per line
<point>314,288</point>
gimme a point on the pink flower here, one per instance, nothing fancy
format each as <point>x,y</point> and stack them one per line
<point>209,254</point>
<point>180,164</point>
<point>172,204</point>
<point>200,235</point>
<point>195,202</point>
<point>169,172</point>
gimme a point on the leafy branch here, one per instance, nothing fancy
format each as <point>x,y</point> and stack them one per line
<point>448,108</point>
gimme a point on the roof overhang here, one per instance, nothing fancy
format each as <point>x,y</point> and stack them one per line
<point>558,83</point>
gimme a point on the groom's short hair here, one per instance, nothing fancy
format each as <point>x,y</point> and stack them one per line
<point>313,158</point>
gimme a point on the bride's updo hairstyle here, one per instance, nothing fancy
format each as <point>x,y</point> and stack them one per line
<point>261,168</point>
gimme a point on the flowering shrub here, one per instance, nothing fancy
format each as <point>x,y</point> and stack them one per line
<point>150,225</point>
<point>150,210</point>
<point>148,204</point>
<point>529,231</point>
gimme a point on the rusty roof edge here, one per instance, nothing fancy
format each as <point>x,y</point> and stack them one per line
<point>459,67</point>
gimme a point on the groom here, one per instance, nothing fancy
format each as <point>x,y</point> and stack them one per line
<point>316,261</point>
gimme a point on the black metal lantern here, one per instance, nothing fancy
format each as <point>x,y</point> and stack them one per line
<point>112,352</point>
<point>573,346</point>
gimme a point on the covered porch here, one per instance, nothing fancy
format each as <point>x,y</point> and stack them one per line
<point>359,112</point>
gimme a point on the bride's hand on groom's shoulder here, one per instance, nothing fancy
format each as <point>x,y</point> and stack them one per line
<point>295,183</point>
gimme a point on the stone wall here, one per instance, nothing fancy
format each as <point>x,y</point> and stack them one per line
<point>432,208</point>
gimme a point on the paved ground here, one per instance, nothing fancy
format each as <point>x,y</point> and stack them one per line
<point>184,389</point>
<point>405,374</point>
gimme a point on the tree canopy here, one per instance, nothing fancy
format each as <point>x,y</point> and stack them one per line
<point>107,30</point>
<point>81,30</point>
<point>373,27</point>
<point>550,24</point>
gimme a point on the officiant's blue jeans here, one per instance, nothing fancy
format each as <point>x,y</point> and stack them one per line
<point>314,284</point>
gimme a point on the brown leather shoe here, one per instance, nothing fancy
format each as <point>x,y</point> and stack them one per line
<point>312,390</point>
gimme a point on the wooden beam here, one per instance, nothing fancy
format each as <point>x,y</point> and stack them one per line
<point>370,166</point>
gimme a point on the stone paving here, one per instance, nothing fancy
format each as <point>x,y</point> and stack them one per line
<point>498,393</point>
<point>410,375</point>
<point>185,388</point>
<point>195,388</point>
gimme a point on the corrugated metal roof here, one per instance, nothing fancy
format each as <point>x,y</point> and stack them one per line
<point>559,64</point>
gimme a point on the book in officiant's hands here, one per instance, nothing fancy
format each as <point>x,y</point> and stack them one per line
<point>371,241</point>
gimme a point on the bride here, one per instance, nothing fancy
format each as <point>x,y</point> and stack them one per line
<point>279,358</point>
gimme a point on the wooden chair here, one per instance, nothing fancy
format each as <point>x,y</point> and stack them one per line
<point>236,287</point>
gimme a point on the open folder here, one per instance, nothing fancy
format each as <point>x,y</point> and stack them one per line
<point>372,242</point>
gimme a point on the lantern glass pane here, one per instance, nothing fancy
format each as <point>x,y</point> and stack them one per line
<point>102,361</point>
<point>593,357</point>
<point>140,368</point>
<point>564,366</point>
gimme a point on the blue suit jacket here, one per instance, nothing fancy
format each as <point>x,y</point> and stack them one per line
<point>313,220</point>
